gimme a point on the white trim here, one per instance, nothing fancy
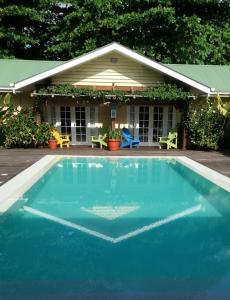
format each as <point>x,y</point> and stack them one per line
<point>6,90</point>
<point>104,50</point>
<point>13,189</point>
<point>211,175</point>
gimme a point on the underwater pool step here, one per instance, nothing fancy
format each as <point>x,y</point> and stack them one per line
<point>121,238</point>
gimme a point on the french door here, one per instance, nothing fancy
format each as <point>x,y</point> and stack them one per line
<point>151,122</point>
<point>80,122</point>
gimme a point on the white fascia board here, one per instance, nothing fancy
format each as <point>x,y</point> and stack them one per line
<point>69,64</point>
<point>220,93</point>
<point>104,50</point>
<point>161,68</point>
<point>6,88</point>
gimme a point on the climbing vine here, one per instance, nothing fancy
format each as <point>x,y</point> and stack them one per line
<point>165,92</point>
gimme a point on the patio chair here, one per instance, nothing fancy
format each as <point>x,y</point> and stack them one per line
<point>127,140</point>
<point>62,140</point>
<point>170,141</point>
<point>100,139</point>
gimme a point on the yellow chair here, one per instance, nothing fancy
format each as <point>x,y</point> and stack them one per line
<point>62,140</point>
<point>170,141</point>
<point>100,139</point>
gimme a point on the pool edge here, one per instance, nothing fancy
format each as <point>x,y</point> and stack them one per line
<point>13,189</point>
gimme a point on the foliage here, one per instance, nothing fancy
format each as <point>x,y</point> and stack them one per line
<point>26,27</point>
<point>224,108</point>
<point>167,91</point>
<point>43,134</point>
<point>113,134</point>
<point>20,129</point>
<point>6,108</point>
<point>163,92</point>
<point>170,31</point>
<point>205,124</point>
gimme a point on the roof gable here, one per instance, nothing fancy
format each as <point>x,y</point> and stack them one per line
<point>104,50</point>
<point>111,70</point>
<point>21,73</point>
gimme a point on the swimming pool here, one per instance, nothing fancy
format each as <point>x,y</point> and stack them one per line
<point>119,228</point>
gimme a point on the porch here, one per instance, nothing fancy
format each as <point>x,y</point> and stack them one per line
<point>13,161</point>
<point>83,119</point>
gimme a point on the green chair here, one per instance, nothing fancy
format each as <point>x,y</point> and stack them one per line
<point>170,141</point>
<point>100,139</point>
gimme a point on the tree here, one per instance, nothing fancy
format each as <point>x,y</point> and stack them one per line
<point>169,31</point>
<point>26,27</point>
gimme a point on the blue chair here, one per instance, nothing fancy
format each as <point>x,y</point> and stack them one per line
<point>127,140</point>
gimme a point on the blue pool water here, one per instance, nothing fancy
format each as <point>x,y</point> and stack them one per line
<point>117,228</point>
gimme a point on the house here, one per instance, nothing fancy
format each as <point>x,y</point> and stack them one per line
<point>108,69</point>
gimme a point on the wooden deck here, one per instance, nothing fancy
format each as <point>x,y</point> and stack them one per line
<point>13,161</point>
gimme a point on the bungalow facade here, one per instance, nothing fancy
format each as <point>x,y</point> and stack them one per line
<point>110,68</point>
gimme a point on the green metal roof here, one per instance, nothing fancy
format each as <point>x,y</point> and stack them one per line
<point>213,76</point>
<point>14,70</point>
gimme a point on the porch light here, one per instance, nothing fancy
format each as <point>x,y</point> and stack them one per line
<point>113,111</point>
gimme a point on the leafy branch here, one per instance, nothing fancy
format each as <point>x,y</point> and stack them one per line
<point>163,92</point>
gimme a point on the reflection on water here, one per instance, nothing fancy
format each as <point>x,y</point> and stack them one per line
<point>184,258</point>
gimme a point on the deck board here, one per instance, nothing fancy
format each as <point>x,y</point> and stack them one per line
<point>13,161</point>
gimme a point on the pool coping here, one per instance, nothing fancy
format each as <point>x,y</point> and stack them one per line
<point>14,189</point>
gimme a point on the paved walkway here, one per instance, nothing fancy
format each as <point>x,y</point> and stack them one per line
<point>13,161</point>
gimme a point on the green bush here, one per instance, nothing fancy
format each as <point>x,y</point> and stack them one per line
<point>205,125</point>
<point>43,134</point>
<point>21,130</point>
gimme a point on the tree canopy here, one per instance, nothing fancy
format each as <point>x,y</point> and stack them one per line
<point>169,31</point>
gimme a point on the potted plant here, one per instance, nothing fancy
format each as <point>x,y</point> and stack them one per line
<point>114,139</point>
<point>52,142</point>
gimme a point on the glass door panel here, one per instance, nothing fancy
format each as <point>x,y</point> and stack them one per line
<point>170,119</point>
<point>80,117</point>
<point>157,125</point>
<point>93,121</point>
<point>65,120</point>
<point>132,120</point>
<point>144,123</point>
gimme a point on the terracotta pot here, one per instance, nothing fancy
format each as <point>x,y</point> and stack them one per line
<point>53,144</point>
<point>114,145</point>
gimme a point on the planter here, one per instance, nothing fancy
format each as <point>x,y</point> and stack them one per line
<point>113,144</point>
<point>53,144</point>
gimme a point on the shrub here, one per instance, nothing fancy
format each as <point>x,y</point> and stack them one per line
<point>43,134</point>
<point>205,125</point>
<point>20,130</point>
